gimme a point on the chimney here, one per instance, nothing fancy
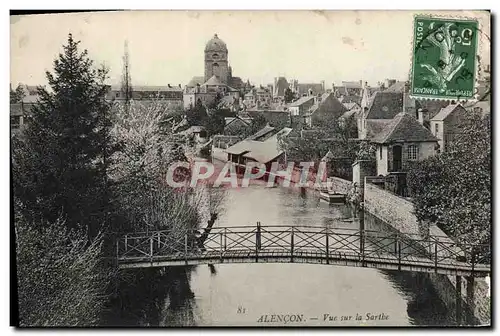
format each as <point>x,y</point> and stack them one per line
<point>323,86</point>
<point>361,82</point>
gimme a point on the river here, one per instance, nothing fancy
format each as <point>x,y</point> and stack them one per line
<point>299,294</point>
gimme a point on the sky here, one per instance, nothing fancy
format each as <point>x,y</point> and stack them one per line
<point>167,47</point>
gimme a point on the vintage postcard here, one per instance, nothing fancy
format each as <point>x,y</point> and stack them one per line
<point>251,168</point>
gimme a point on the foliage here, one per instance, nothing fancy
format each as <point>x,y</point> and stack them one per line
<point>289,95</point>
<point>453,189</point>
<point>17,95</point>
<point>60,162</point>
<point>61,279</point>
<point>196,114</point>
<point>258,122</point>
<point>366,151</point>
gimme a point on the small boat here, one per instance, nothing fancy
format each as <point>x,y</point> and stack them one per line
<point>331,197</point>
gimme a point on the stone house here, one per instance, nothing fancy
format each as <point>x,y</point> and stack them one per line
<point>401,141</point>
<point>301,106</point>
<point>446,124</point>
<point>326,109</point>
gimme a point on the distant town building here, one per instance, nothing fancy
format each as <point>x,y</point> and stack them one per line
<point>171,94</point>
<point>325,108</point>
<point>218,76</point>
<point>305,89</point>
<point>446,124</point>
<point>401,141</point>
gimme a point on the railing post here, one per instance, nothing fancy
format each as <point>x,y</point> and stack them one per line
<point>126,243</point>
<point>399,253</point>
<point>470,300</point>
<point>362,246</point>
<point>458,299</point>
<point>291,246</point>
<point>225,239</point>
<point>117,247</point>
<point>159,241</point>
<point>259,242</point>
<point>396,244</point>
<point>220,234</point>
<point>151,246</point>
<point>472,259</point>
<point>435,256</point>
<point>186,248</point>
<point>327,243</point>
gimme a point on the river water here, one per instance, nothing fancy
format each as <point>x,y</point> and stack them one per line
<point>299,294</point>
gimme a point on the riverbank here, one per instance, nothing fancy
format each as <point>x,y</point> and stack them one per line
<point>397,213</point>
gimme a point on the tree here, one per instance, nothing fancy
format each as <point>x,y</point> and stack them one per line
<point>453,189</point>
<point>61,279</point>
<point>61,160</point>
<point>196,114</point>
<point>126,87</point>
<point>215,122</point>
<point>16,96</point>
<point>289,95</point>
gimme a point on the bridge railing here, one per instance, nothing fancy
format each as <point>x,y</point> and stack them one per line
<point>292,240</point>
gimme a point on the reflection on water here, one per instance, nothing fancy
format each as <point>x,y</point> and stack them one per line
<point>243,294</point>
<point>250,294</point>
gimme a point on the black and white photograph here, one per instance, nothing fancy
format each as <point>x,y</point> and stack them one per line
<point>273,168</point>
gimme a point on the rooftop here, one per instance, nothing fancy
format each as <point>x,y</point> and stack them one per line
<point>445,112</point>
<point>404,128</point>
<point>385,105</point>
<point>301,101</point>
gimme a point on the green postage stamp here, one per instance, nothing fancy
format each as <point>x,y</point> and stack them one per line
<point>444,58</point>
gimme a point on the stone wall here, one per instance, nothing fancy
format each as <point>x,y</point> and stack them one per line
<point>394,210</point>
<point>338,185</point>
<point>398,213</point>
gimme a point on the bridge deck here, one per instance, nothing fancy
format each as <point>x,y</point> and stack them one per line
<point>313,245</point>
<point>386,262</point>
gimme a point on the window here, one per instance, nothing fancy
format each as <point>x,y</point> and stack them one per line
<point>380,151</point>
<point>436,128</point>
<point>412,152</point>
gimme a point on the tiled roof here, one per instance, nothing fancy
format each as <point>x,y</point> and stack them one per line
<point>149,88</point>
<point>301,101</point>
<point>267,150</point>
<point>196,80</point>
<point>349,106</point>
<point>352,85</point>
<point>242,121</point>
<point>215,81</point>
<point>31,99</point>
<point>375,126</point>
<point>385,105</point>
<point>350,99</point>
<point>445,112</point>
<point>236,82</point>
<point>404,128</point>
<point>317,88</point>
<point>262,133</point>
<point>398,86</point>
<point>348,114</point>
